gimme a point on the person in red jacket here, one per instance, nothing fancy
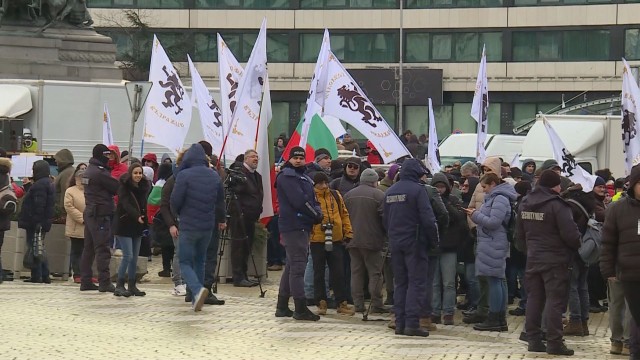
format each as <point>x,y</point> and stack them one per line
<point>117,168</point>
<point>373,156</point>
<point>151,160</point>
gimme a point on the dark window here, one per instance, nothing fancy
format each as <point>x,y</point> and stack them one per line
<point>583,45</point>
<point>374,48</point>
<point>452,47</point>
<point>632,44</point>
<point>348,4</point>
<point>428,4</point>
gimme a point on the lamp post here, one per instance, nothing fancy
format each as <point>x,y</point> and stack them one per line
<point>400,68</point>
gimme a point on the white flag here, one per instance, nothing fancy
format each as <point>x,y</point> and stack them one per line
<point>567,162</point>
<point>515,162</point>
<point>107,134</point>
<point>480,107</point>
<point>344,100</point>
<point>263,149</point>
<point>168,109</point>
<point>210,114</point>
<point>230,73</point>
<point>311,110</point>
<point>433,164</point>
<point>630,124</point>
<point>242,133</point>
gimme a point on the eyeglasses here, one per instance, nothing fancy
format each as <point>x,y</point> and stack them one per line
<point>353,166</point>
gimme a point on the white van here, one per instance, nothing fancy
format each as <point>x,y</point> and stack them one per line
<point>462,147</point>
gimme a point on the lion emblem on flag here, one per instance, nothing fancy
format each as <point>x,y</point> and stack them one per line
<point>351,99</point>
<point>174,93</point>
<point>628,127</point>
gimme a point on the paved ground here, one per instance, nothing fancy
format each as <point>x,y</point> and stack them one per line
<point>59,322</point>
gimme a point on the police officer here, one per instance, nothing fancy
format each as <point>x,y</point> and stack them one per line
<point>552,238</point>
<point>99,190</point>
<point>411,226</point>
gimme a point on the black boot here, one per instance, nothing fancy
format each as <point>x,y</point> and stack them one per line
<point>536,346</point>
<point>212,299</point>
<point>302,312</point>
<point>120,289</point>
<point>389,300</point>
<point>491,324</point>
<point>282,308</point>
<point>416,332</point>
<point>474,317</point>
<point>560,349</point>
<point>134,290</point>
<point>106,287</point>
<point>189,296</point>
<point>503,321</point>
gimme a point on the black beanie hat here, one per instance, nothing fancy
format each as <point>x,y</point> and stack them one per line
<point>98,153</point>
<point>208,149</point>
<point>522,188</point>
<point>321,151</point>
<point>320,177</point>
<point>549,179</point>
<point>296,151</point>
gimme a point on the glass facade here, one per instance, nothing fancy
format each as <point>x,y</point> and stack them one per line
<point>452,47</point>
<point>632,44</point>
<point>358,48</point>
<point>334,4</point>
<point>348,4</point>
<point>572,45</point>
<point>429,4</point>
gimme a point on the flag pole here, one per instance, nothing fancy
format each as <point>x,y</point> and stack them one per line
<point>255,142</point>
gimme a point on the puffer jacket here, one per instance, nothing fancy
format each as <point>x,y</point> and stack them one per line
<point>365,205</point>
<point>197,198</point>
<point>492,219</point>
<point>334,213</point>
<point>74,205</point>
<point>297,201</point>
<point>64,158</point>
<point>477,199</point>
<point>37,206</point>
<point>456,232</point>
<point>132,204</point>
<point>620,255</point>
<point>117,168</point>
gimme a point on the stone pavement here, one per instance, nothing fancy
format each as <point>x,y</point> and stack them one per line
<point>58,321</point>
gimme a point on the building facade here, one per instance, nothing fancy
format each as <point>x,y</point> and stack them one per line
<point>541,53</point>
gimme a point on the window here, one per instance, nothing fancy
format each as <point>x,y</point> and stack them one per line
<point>366,48</point>
<point>280,120</point>
<point>584,45</point>
<point>559,2</point>
<point>205,46</point>
<point>243,4</point>
<point>452,47</point>
<point>427,4</point>
<point>160,4</point>
<point>524,113</point>
<point>632,44</point>
<point>416,120</point>
<point>463,122</point>
<point>176,44</point>
<point>357,4</point>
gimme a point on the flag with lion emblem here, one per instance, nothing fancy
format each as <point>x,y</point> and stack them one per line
<point>630,125</point>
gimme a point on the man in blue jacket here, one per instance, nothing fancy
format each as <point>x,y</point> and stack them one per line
<point>299,211</point>
<point>411,226</point>
<point>197,199</point>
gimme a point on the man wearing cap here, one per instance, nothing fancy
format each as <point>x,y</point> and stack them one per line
<point>545,223</point>
<point>411,228</point>
<point>365,205</point>
<point>321,163</point>
<point>350,144</point>
<point>99,190</point>
<point>299,211</point>
<point>349,179</point>
<point>551,164</point>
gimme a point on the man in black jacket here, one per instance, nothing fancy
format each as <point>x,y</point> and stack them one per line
<point>99,190</point>
<point>245,212</point>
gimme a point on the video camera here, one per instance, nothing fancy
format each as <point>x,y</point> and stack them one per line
<point>234,178</point>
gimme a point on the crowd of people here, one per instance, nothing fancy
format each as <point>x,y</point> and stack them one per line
<point>344,231</point>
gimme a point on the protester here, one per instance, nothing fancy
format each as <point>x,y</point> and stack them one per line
<point>597,284</point>
<point>350,144</point>
<point>64,161</point>
<point>373,155</point>
<point>467,249</point>
<point>117,166</point>
<point>416,149</point>
<point>165,159</point>
<point>160,233</point>
<point>349,180</point>
<point>35,217</point>
<point>321,163</point>
<point>386,183</point>
<point>516,263</point>
<point>528,170</point>
<point>151,160</point>
<point>9,205</point>
<point>279,147</point>
<point>74,205</point>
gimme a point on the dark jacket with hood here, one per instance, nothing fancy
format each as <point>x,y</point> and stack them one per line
<point>64,159</point>
<point>37,205</point>
<point>408,215</point>
<point>249,193</point>
<point>620,255</point>
<point>198,197</point>
<point>132,203</point>
<point>99,189</point>
<point>546,224</point>
<point>344,184</point>
<point>299,208</point>
<point>530,177</point>
<point>311,169</point>
<point>457,231</point>
<point>165,211</point>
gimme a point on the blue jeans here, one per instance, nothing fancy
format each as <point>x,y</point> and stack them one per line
<point>130,250</point>
<point>473,287</point>
<point>444,284</point>
<point>497,294</point>
<point>308,279</point>
<point>516,273</point>
<point>578,292</point>
<point>193,254</point>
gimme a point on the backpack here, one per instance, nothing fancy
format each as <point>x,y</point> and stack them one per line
<point>591,241</point>
<point>8,201</point>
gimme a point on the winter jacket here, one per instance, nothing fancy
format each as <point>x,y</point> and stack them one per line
<point>600,209</point>
<point>299,209</point>
<point>438,206</point>
<point>99,189</point>
<point>408,216</point>
<point>344,184</point>
<point>37,205</point>
<point>416,150</point>
<point>168,216</point>
<point>546,224</point>
<point>456,232</point>
<point>530,177</point>
<point>492,219</point>
<point>352,145</point>
<point>385,184</point>
<point>197,197</point>
<point>335,213</point>
<point>64,158</point>
<point>132,204</point>
<point>311,169</point>
<point>365,204</point>
<point>373,157</point>
<point>5,180</point>
<point>467,251</point>
<point>249,193</point>
<point>117,168</point>
<point>620,255</point>
<point>74,205</point>
<point>154,159</point>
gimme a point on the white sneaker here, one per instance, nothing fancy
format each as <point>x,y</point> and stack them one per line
<point>179,290</point>
<point>200,298</point>
<point>117,252</point>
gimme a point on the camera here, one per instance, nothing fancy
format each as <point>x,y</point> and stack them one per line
<point>234,178</point>
<point>328,236</point>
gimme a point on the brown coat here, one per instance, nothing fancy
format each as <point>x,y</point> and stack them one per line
<point>620,240</point>
<point>74,206</point>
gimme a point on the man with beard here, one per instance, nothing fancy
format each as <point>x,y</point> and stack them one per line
<point>321,163</point>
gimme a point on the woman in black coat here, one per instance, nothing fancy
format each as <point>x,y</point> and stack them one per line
<point>130,223</point>
<point>36,215</point>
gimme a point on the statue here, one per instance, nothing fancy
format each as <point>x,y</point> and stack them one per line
<point>34,12</point>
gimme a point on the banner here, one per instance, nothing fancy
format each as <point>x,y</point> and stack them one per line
<point>310,111</point>
<point>480,107</point>
<point>344,100</point>
<point>210,114</point>
<point>230,73</point>
<point>168,109</point>
<point>567,162</point>
<point>242,132</point>
<point>107,134</point>
<point>630,125</point>
<point>432,160</point>
<point>516,162</point>
<point>264,149</point>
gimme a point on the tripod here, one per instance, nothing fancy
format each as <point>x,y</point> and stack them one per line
<point>230,197</point>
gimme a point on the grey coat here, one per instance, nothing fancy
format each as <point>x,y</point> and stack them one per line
<point>492,219</point>
<point>365,205</point>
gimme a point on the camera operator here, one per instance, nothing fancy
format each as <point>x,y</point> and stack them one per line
<point>246,184</point>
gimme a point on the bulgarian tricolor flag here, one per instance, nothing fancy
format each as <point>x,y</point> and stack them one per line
<point>319,137</point>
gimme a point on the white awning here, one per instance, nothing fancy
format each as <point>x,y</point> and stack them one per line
<point>15,100</point>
